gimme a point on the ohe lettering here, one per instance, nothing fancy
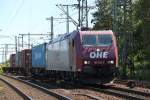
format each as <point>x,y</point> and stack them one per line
<point>99,54</point>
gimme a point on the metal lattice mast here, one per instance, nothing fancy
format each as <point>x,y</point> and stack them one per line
<point>83,10</point>
<point>84,13</point>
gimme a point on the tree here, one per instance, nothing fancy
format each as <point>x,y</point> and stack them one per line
<point>103,16</point>
<point>133,32</point>
<point>141,37</point>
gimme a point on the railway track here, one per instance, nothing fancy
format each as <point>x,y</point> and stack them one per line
<point>31,91</point>
<point>11,89</point>
<point>139,92</point>
<point>72,95</point>
<point>96,93</point>
<point>18,90</point>
<point>77,92</point>
<point>124,93</point>
<point>142,84</point>
<point>68,93</point>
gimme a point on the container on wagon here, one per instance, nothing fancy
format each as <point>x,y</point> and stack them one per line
<point>13,60</point>
<point>26,58</point>
<point>39,56</point>
<point>18,59</point>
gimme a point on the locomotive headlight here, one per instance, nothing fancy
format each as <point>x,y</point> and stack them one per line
<point>111,62</point>
<point>85,62</point>
<point>97,49</point>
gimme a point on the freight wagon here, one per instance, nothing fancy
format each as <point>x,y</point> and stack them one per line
<point>25,61</point>
<point>15,63</point>
<point>18,59</point>
<point>17,68</point>
<point>12,60</point>
<point>39,59</point>
<point>21,62</point>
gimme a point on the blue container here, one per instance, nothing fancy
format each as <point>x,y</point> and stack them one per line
<point>39,56</point>
<point>18,59</point>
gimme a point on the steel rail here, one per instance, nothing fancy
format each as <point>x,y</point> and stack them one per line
<point>137,83</point>
<point>21,93</point>
<point>120,93</point>
<point>52,93</point>
<point>89,96</point>
<point>132,91</point>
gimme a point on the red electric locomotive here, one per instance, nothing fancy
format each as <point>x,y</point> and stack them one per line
<point>84,55</point>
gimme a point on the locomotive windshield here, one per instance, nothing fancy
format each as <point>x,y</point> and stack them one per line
<point>104,40</point>
<point>100,40</point>
<point>89,39</point>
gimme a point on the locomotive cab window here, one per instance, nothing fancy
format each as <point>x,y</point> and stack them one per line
<point>89,40</point>
<point>100,40</point>
<point>104,39</point>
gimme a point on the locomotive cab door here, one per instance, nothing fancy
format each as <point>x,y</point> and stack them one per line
<point>72,54</point>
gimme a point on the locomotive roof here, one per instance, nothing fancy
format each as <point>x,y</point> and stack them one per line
<point>61,37</point>
<point>97,32</point>
<point>67,35</point>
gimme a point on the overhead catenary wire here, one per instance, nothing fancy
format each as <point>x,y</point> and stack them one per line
<point>63,10</point>
<point>14,14</point>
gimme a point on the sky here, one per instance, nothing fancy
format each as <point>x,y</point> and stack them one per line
<point>29,16</point>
